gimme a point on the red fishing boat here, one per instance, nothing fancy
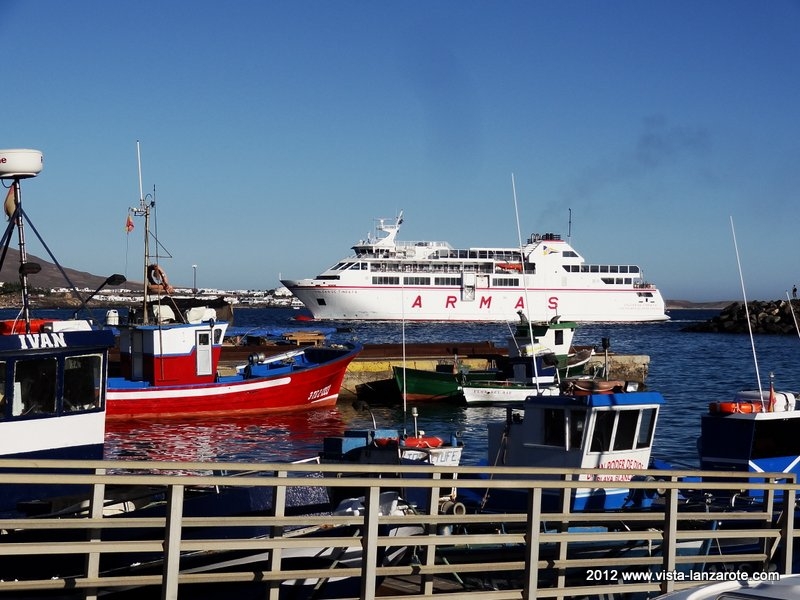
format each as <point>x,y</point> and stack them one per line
<point>169,360</point>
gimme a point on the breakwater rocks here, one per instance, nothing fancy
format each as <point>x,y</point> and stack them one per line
<point>771,317</point>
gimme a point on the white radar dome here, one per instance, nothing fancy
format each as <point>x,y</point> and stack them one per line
<point>18,164</point>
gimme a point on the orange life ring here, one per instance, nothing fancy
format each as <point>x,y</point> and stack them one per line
<point>729,408</point>
<point>424,442</point>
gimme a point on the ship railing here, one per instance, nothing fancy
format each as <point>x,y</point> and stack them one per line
<point>543,550</point>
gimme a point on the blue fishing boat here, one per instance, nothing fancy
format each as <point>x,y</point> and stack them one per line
<point>52,372</point>
<point>574,429</point>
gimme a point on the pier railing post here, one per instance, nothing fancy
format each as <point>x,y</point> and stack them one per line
<point>276,554</point>
<point>93,535</point>
<point>369,543</point>
<point>426,582</point>
<point>172,543</point>
<point>532,538</point>
<point>670,535</point>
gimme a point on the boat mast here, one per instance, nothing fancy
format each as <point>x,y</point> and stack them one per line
<point>143,210</point>
<point>17,165</point>
<point>525,287</point>
<point>23,255</point>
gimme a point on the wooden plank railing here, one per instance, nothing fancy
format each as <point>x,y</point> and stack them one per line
<point>529,554</point>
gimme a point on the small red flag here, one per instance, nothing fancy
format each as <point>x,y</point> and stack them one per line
<point>129,225</point>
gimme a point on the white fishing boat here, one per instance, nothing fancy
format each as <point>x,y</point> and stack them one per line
<point>387,279</point>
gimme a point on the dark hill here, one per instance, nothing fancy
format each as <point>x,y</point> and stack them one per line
<point>49,277</point>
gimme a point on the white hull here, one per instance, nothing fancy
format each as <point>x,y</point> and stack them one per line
<point>386,280</point>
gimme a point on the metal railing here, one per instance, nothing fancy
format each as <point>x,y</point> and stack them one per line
<point>174,529</point>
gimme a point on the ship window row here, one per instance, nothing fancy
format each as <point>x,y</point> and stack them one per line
<point>644,294</point>
<point>40,387</point>
<point>416,280</point>
<point>384,280</point>
<point>422,268</point>
<point>617,281</point>
<point>356,266</point>
<point>478,254</point>
<point>601,268</point>
<point>447,280</point>
<point>570,254</point>
<point>505,282</point>
<point>617,430</point>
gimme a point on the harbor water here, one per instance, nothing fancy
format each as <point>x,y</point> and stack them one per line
<point>689,369</point>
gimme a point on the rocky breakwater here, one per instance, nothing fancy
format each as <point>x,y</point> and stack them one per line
<point>769,317</point>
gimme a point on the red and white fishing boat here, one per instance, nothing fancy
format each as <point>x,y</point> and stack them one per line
<point>169,361</point>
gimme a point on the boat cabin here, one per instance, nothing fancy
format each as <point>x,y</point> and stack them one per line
<point>589,431</point>
<point>757,432</point>
<point>177,354</point>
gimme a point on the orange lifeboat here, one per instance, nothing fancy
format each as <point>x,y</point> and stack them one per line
<point>510,266</point>
<point>727,408</point>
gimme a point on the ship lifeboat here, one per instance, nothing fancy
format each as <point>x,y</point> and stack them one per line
<point>742,407</point>
<point>510,266</point>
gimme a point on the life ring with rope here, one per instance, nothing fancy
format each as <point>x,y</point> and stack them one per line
<point>736,407</point>
<point>423,442</point>
<point>157,279</point>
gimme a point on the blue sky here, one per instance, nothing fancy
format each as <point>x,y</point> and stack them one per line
<point>275,132</point>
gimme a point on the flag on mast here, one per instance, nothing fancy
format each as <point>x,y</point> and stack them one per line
<point>129,224</point>
<point>10,204</point>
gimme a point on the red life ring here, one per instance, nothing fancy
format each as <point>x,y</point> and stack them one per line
<point>424,442</point>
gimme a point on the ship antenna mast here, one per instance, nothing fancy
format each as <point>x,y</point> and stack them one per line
<point>569,228</point>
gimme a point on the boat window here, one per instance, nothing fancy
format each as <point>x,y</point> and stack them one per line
<point>646,428</point>
<point>623,268</point>
<point>559,337</point>
<point>603,428</point>
<point>633,269</point>
<point>569,254</point>
<point>83,378</point>
<point>577,423</point>
<point>613,269</point>
<point>35,387</point>
<point>555,427</point>
<point>594,268</point>
<point>626,429</point>
<point>774,439</point>
<point>604,268</point>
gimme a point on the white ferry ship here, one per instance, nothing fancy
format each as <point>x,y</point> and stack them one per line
<point>385,279</point>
